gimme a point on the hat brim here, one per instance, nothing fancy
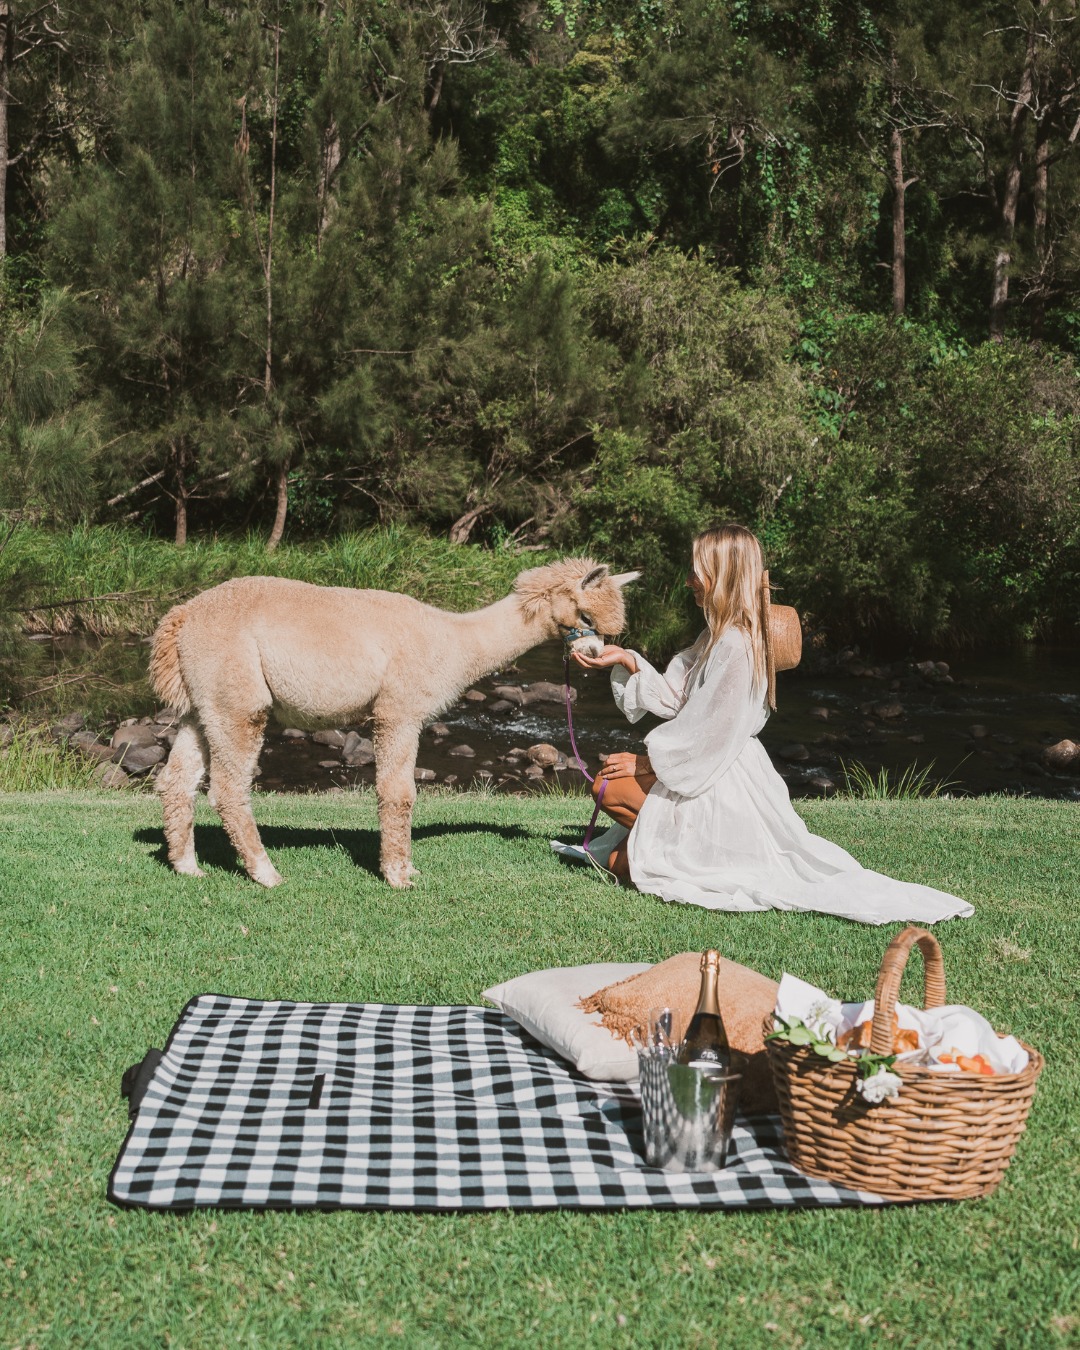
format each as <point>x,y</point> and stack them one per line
<point>783,637</point>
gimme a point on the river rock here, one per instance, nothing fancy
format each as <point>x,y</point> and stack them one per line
<point>796,753</point>
<point>110,776</point>
<point>67,726</point>
<point>484,775</point>
<point>357,750</point>
<point>917,739</point>
<point>1064,757</point>
<point>978,733</point>
<point>451,779</point>
<point>501,705</point>
<point>821,714</point>
<point>462,752</point>
<point>330,736</point>
<point>821,782</point>
<point>512,693</point>
<point>133,733</point>
<point>534,771</point>
<point>885,712</point>
<point>424,775</point>
<point>329,764</point>
<point>90,744</point>
<point>136,759</point>
<point>439,729</point>
<point>544,755</point>
<point>474,696</point>
<point>294,734</point>
<point>545,691</point>
<point>166,717</point>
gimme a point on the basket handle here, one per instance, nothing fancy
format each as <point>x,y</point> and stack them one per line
<point>888,982</point>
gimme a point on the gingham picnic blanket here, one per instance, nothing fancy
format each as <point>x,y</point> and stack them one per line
<point>373,1106</point>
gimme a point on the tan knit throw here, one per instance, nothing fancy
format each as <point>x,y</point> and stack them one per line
<point>746,999</point>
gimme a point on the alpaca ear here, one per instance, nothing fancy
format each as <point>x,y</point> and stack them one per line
<point>625,578</point>
<point>595,577</point>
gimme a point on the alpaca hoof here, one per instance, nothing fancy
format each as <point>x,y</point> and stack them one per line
<point>185,868</point>
<point>399,875</point>
<point>266,874</point>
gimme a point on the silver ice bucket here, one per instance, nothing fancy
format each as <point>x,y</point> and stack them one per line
<point>687,1113</point>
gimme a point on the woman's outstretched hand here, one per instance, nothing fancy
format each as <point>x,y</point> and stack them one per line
<point>610,656</point>
<point>627,765</point>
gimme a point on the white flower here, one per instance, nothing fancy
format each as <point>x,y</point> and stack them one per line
<point>823,1018</point>
<point>880,1086</point>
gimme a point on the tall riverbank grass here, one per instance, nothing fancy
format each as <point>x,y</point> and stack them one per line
<point>103,946</point>
<point>105,579</point>
<point>33,761</point>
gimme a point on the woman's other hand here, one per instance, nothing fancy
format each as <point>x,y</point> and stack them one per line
<point>627,765</point>
<point>609,656</point>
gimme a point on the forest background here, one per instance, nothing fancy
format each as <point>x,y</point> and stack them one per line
<point>566,274</point>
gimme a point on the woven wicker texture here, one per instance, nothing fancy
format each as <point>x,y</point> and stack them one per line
<point>783,637</point>
<point>946,1136</point>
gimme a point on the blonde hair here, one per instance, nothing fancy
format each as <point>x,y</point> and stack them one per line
<point>729,562</point>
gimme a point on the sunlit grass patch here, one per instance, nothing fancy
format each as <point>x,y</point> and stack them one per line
<point>103,945</point>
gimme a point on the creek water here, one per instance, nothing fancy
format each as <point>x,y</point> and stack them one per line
<point>981,728</point>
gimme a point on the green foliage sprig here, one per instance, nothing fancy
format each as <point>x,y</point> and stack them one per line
<point>795,1032</point>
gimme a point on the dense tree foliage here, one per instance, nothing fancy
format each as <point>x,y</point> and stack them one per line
<point>581,272</point>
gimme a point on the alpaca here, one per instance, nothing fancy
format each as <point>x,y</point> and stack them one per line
<point>326,656</point>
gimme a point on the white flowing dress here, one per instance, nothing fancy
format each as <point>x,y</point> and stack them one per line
<point>718,828</point>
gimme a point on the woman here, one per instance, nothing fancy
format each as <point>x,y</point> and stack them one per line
<point>705,818</point>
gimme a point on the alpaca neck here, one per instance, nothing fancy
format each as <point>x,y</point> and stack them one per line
<point>497,635</point>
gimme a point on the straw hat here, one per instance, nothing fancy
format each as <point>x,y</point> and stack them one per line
<point>783,637</point>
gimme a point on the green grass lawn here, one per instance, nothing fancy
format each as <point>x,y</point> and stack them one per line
<point>102,946</point>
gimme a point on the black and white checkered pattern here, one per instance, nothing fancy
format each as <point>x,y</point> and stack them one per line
<point>371,1106</point>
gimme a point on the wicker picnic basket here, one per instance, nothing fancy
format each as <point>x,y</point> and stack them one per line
<point>946,1136</point>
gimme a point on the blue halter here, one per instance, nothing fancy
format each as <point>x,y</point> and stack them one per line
<point>572,634</point>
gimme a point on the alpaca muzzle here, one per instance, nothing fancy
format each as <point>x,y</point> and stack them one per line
<point>587,641</point>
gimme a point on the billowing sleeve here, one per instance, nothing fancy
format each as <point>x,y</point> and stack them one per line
<point>722,711</point>
<point>649,691</point>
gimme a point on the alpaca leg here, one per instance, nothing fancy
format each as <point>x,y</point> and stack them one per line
<point>233,758</point>
<point>395,786</point>
<point>177,786</point>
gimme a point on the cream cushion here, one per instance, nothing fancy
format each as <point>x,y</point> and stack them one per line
<point>544,1002</point>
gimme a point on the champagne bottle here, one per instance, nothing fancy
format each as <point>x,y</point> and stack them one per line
<point>705,1045</point>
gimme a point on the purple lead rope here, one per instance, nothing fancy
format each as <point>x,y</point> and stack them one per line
<point>577,755</point>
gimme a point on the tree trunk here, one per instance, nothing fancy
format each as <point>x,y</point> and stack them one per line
<point>181,495</point>
<point>282,507</point>
<point>1040,190</point>
<point>330,163</point>
<point>6,38</point>
<point>436,87</point>
<point>278,528</point>
<point>999,292</point>
<point>463,526</point>
<point>899,237</point>
<point>269,260</point>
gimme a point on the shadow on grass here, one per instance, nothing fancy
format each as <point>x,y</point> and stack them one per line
<point>212,846</point>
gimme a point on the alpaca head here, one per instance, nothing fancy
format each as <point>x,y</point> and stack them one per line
<point>575,593</point>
